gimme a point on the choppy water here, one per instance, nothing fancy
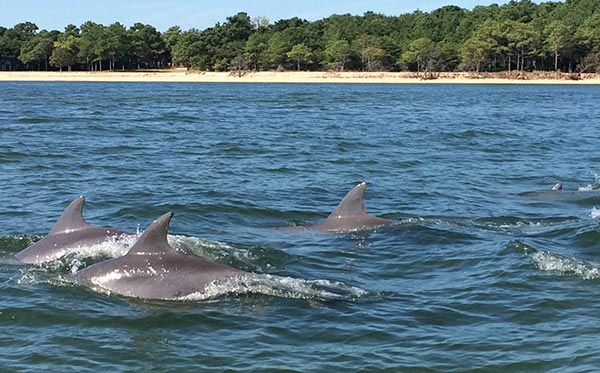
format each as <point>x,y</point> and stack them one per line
<point>475,275</point>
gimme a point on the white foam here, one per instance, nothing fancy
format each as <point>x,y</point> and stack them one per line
<point>278,286</point>
<point>550,262</point>
<point>595,213</point>
<point>212,250</point>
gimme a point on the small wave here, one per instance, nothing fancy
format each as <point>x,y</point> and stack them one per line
<point>515,225</point>
<point>43,275</point>
<point>550,262</point>
<point>591,187</point>
<point>595,213</point>
<point>34,120</point>
<point>211,250</point>
<point>9,245</point>
<point>559,264</point>
<point>119,245</point>
<point>278,286</point>
<point>86,255</point>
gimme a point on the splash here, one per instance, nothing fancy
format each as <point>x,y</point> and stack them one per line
<point>560,264</point>
<point>595,213</point>
<point>516,225</point>
<point>554,263</point>
<point>279,286</point>
<point>39,275</point>
<point>212,250</point>
<point>591,187</point>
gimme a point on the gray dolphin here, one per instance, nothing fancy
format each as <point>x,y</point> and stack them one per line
<point>558,194</point>
<point>70,232</point>
<point>154,270</point>
<point>350,215</point>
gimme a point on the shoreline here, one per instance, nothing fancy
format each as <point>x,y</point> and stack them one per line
<point>183,76</point>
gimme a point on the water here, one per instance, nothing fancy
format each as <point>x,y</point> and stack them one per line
<point>474,276</point>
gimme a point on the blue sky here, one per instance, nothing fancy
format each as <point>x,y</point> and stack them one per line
<point>200,14</point>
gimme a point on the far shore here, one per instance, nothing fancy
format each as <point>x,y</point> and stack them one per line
<point>183,76</point>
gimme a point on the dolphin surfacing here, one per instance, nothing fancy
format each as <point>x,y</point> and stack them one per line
<point>350,215</point>
<point>70,232</point>
<point>154,270</point>
<point>558,194</point>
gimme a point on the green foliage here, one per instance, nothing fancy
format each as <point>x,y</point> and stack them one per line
<point>187,48</point>
<point>520,34</point>
<point>337,53</point>
<point>146,44</point>
<point>558,39</point>
<point>37,49</point>
<point>256,50</point>
<point>589,33</point>
<point>422,53</point>
<point>300,53</point>
<point>64,53</point>
<point>371,52</point>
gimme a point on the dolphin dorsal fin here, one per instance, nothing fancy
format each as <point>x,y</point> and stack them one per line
<point>352,204</point>
<point>154,238</point>
<point>72,218</point>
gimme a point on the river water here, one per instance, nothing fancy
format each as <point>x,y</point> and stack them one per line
<point>476,274</point>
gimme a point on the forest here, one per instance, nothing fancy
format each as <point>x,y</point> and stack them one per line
<point>516,36</point>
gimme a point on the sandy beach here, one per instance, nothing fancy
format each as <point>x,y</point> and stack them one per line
<point>183,75</point>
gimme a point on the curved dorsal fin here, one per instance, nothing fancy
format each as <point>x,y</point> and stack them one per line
<point>154,238</point>
<point>352,204</point>
<point>72,218</point>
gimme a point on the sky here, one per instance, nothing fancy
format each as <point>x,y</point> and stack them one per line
<point>200,14</point>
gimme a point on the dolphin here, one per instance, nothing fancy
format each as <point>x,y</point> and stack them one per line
<point>350,215</point>
<point>152,269</point>
<point>70,232</point>
<point>558,194</point>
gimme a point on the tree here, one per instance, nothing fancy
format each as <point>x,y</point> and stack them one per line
<point>589,33</point>
<point>91,46</point>
<point>277,50</point>
<point>558,38</point>
<point>256,50</point>
<point>260,22</point>
<point>300,53</point>
<point>476,50</point>
<point>520,38</point>
<point>337,52</point>
<point>64,53</point>
<point>171,38</point>
<point>187,48</point>
<point>370,52</point>
<point>146,44</point>
<point>117,44</point>
<point>423,53</point>
<point>11,40</point>
<point>37,49</point>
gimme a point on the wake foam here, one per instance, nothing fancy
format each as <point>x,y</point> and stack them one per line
<point>211,250</point>
<point>595,213</point>
<point>278,286</point>
<point>555,263</point>
<point>59,272</point>
<point>560,264</point>
<point>590,187</point>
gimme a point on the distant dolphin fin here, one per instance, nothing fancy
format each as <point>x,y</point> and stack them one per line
<point>352,204</point>
<point>72,218</point>
<point>154,238</point>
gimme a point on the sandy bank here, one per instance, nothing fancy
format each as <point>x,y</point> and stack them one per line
<point>181,75</point>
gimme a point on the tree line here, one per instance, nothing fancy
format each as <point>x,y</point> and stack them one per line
<point>519,35</point>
